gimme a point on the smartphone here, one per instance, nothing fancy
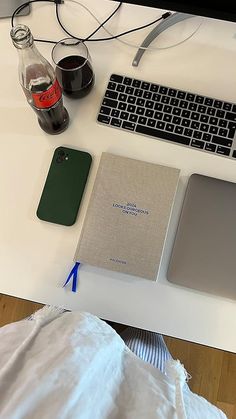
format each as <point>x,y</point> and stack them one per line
<point>64,186</point>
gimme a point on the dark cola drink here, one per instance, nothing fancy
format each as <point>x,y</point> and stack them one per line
<point>52,116</point>
<point>75,75</point>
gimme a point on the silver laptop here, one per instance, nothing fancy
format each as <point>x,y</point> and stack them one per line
<point>204,251</point>
<point>7,7</point>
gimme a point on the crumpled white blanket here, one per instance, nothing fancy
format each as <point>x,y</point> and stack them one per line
<point>73,365</point>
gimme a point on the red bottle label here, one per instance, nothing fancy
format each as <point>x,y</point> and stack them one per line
<point>47,98</point>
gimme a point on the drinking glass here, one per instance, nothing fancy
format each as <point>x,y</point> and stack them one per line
<point>73,67</point>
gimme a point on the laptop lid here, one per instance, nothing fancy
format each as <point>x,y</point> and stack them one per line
<point>204,250</point>
<point>7,7</point>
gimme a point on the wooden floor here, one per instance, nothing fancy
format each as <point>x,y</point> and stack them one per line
<point>213,371</point>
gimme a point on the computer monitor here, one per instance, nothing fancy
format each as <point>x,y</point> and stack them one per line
<point>225,10</point>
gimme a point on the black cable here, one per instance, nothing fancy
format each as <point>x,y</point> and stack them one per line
<point>105,21</point>
<point>88,38</point>
<point>164,16</point>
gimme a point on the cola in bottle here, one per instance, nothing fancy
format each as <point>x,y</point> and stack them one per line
<point>39,82</point>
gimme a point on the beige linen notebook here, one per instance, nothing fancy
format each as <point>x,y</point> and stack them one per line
<point>127,216</point>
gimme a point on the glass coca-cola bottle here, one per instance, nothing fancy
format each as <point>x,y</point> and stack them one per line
<point>38,80</point>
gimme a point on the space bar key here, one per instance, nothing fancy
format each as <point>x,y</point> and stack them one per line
<point>169,136</point>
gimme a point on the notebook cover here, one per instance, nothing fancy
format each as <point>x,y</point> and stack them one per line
<point>127,216</point>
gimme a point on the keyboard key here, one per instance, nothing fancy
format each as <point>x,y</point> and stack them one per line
<point>195,124</point>
<point>110,102</point>
<point>133,118</point>
<point>167,109</point>
<point>117,78</point>
<point>154,87</point>
<point>213,130</point>
<point>149,104</point>
<point>104,119</point>
<point>174,102</point>
<point>170,127</point>
<point>213,120</point>
<point>188,132</point>
<point>170,136</point>
<point>142,120</point>
<point>199,99</point>
<point>231,116</point>
<point>176,120</point>
<point>115,113</point>
<point>172,92</point>
<point>120,88</point>
<point>181,95</point>
<point>131,99</point>
<point>156,97</point>
<point>140,102</point>
<point>197,144</point>
<point>167,117</point>
<point>206,137</point>
<point>218,104</point>
<point>185,113</point>
<point>179,130</point>
<point>176,111</point>
<point>122,106</point>
<point>223,150</point>
<point>223,123</point>
<point>208,101</point>
<point>158,115</point>
<point>197,135</point>
<point>204,127</point>
<point>210,147</point>
<point>105,111</point>
<point>186,122</point>
<point>234,154</point>
<point>147,94</point>
<point>165,99</point>
<point>124,115</point>
<point>136,83</point>
<point>221,141</point>
<point>151,122</point>
<point>227,106</point>
<point>139,110</point>
<point>128,125</point>
<point>223,132</point>
<point>149,113</point>
<point>201,108</point>
<point>127,81</point>
<point>160,125</point>
<point>195,116</point>
<point>122,97</point>
<point>138,92</point>
<point>163,90</point>
<point>190,97</point>
<point>220,113</point>
<point>129,90</point>
<point>183,104</point>
<point>192,106</point>
<point>111,85</point>
<point>116,122</point>
<point>158,106</point>
<point>111,94</point>
<point>131,108</point>
<point>204,118</point>
<point>211,111</point>
<point>145,85</point>
<point>232,129</point>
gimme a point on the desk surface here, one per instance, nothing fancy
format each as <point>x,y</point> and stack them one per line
<point>35,256</point>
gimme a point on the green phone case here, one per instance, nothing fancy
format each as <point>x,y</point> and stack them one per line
<point>64,186</point>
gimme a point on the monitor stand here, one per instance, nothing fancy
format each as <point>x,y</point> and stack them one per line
<point>161,27</point>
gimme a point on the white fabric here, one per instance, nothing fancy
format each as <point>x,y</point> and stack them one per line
<point>73,365</point>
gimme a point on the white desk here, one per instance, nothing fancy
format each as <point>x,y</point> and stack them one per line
<point>35,257</point>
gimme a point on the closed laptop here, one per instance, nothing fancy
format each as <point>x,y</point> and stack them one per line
<point>204,251</point>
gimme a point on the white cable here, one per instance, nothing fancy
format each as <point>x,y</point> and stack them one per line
<point>132,45</point>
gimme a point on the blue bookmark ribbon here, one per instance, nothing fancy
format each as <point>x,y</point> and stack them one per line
<point>73,274</point>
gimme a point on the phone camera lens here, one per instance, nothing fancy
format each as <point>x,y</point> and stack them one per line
<point>59,159</point>
<point>61,153</point>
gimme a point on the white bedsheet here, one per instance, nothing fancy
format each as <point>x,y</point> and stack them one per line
<point>73,365</point>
